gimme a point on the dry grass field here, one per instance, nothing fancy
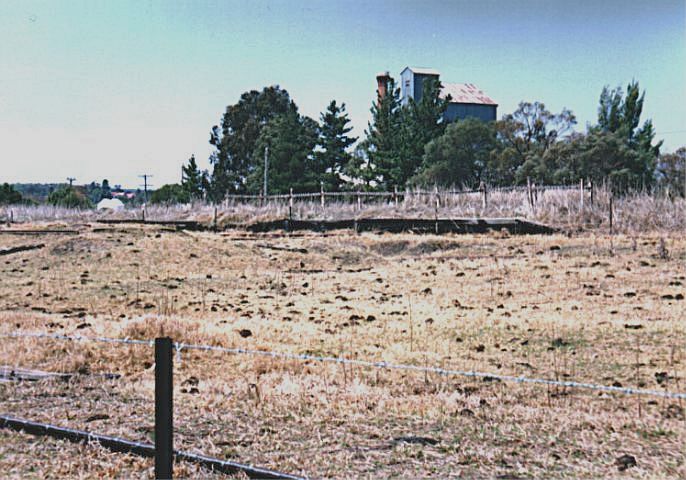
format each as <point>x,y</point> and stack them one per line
<point>585,307</point>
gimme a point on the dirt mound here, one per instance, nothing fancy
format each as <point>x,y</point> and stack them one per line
<point>397,247</point>
<point>77,245</point>
<point>431,246</point>
<point>390,248</point>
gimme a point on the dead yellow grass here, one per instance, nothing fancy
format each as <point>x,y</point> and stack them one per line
<point>588,308</point>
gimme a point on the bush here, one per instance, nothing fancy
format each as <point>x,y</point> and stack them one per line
<point>69,197</point>
<point>8,195</point>
<point>170,193</point>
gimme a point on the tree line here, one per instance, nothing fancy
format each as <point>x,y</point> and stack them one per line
<point>408,145</point>
<point>411,145</point>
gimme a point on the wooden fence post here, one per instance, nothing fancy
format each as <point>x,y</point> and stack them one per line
<point>590,185</point>
<point>214,223</point>
<point>11,217</point>
<point>581,195</point>
<point>395,195</point>
<point>359,201</point>
<point>438,204</point>
<point>321,193</point>
<point>528,192</point>
<point>164,407</point>
<point>290,206</point>
<point>484,195</point>
<point>611,230</point>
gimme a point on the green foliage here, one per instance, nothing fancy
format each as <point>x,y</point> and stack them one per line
<point>9,196</point>
<point>194,181</point>
<point>420,122</point>
<point>96,192</point>
<point>69,197</point>
<point>526,135</point>
<point>170,194</point>
<point>36,191</point>
<point>462,155</point>
<point>291,139</point>
<point>631,157</point>
<point>333,158</point>
<point>410,144</point>
<point>236,139</point>
<point>383,142</point>
<point>671,172</point>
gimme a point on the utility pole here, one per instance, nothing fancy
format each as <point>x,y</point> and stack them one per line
<point>145,185</point>
<point>70,180</point>
<point>266,171</point>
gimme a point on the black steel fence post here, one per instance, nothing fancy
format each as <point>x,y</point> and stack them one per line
<point>164,445</point>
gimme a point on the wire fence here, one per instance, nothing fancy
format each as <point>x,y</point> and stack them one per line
<point>179,347</point>
<point>162,450</point>
<point>531,189</point>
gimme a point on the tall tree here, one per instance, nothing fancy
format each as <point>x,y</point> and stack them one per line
<point>619,117</point>
<point>106,190</point>
<point>383,138</point>
<point>290,139</point>
<point>235,139</point>
<point>421,122</point>
<point>528,133</point>
<point>334,141</point>
<point>193,179</point>
<point>671,171</point>
<point>461,156</point>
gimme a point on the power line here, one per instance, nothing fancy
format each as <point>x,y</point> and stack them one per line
<point>145,185</point>
<point>179,346</point>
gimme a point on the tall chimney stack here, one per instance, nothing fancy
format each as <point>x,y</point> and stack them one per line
<point>382,80</point>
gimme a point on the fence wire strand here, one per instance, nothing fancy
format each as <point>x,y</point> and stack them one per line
<point>180,346</point>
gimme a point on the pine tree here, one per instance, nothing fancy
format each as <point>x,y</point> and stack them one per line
<point>192,179</point>
<point>632,150</point>
<point>421,123</point>
<point>334,142</point>
<point>291,139</point>
<point>383,138</point>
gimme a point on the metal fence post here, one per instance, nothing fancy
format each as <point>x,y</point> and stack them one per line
<point>164,445</point>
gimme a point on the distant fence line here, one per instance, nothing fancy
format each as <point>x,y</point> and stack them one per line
<point>397,193</point>
<point>484,192</point>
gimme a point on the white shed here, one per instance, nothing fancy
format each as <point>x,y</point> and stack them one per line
<point>110,204</point>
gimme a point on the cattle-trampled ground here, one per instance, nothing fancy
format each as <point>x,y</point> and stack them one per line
<point>587,307</point>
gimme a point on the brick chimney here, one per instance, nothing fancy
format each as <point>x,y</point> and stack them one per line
<point>382,80</point>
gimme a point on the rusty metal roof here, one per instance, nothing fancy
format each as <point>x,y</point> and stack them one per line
<point>465,93</point>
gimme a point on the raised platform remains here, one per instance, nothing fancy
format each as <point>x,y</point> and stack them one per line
<point>515,226</point>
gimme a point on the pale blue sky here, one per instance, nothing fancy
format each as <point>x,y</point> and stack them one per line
<point>112,89</point>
